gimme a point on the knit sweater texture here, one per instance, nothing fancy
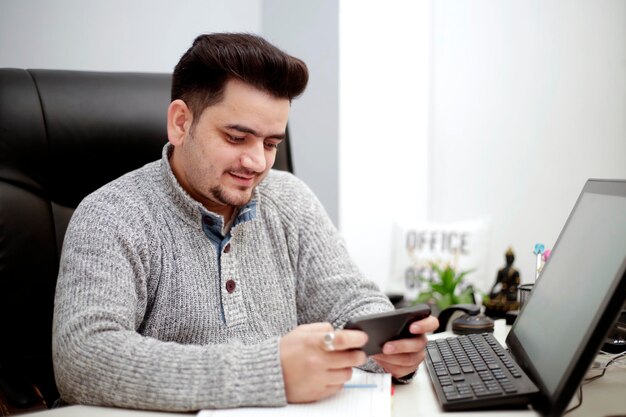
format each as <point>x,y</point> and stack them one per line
<point>144,317</point>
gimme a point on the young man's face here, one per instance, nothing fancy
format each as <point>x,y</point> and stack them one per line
<point>230,149</point>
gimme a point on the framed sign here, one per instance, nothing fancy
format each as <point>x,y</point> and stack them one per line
<point>416,247</point>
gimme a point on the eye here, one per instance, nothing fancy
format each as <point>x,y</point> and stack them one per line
<point>270,145</point>
<point>235,139</point>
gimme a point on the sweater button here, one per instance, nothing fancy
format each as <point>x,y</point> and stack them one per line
<point>230,286</point>
<point>227,248</point>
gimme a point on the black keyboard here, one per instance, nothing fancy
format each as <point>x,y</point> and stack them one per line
<point>474,371</point>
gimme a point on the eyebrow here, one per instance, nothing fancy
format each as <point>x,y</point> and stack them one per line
<point>245,129</point>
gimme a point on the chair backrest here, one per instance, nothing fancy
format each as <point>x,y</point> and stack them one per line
<point>63,134</point>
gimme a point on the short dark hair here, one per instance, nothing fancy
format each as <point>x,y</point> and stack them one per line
<point>201,74</point>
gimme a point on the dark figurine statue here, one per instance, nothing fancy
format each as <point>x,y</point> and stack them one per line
<point>503,294</point>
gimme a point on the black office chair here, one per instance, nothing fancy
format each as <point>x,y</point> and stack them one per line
<point>63,134</point>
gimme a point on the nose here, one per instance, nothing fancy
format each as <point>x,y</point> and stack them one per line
<point>254,158</point>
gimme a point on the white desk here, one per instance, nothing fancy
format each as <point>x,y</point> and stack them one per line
<point>603,397</point>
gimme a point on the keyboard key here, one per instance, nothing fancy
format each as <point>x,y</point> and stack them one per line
<point>434,355</point>
<point>454,370</point>
<point>467,369</point>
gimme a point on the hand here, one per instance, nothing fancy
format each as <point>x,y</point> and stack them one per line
<point>312,372</point>
<point>402,357</point>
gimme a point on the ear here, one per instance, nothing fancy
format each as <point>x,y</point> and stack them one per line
<point>179,120</point>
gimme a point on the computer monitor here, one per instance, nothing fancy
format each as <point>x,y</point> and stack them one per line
<point>577,297</point>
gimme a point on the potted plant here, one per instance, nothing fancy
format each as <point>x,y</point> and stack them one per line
<point>443,287</point>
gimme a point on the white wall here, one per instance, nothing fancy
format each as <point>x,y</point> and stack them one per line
<point>384,124</point>
<point>113,35</point>
<point>310,30</point>
<point>526,99</point>
<point>529,100</point>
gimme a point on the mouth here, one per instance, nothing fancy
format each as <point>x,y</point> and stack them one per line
<point>242,179</point>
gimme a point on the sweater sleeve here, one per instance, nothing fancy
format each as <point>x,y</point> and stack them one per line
<point>330,286</point>
<point>100,357</point>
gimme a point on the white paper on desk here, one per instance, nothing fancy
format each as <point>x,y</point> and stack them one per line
<point>354,401</point>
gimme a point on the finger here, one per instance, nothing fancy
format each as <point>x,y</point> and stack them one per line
<point>408,345</point>
<point>344,359</point>
<point>349,339</point>
<point>316,327</point>
<point>390,363</point>
<point>426,325</point>
<point>338,376</point>
<point>398,371</point>
<point>402,359</point>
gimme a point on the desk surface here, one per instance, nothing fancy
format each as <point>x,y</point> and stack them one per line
<point>602,397</point>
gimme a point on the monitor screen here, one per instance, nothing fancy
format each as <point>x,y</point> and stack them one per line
<point>577,283</point>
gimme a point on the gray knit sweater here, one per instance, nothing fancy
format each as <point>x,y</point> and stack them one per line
<point>144,317</point>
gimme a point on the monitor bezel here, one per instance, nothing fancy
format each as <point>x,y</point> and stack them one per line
<point>603,321</point>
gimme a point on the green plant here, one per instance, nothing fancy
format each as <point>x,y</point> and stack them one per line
<point>443,287</point>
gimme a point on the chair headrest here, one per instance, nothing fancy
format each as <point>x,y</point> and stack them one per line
<point>66,133</point>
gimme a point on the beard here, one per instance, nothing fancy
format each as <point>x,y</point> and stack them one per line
<point>219,195</point>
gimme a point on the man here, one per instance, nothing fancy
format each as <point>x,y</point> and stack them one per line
<point>205,280</point>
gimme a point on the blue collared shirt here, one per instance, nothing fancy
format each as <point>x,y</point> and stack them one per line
<point>213,227</point>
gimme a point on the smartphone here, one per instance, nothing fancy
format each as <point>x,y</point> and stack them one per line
<point>390,325</point>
